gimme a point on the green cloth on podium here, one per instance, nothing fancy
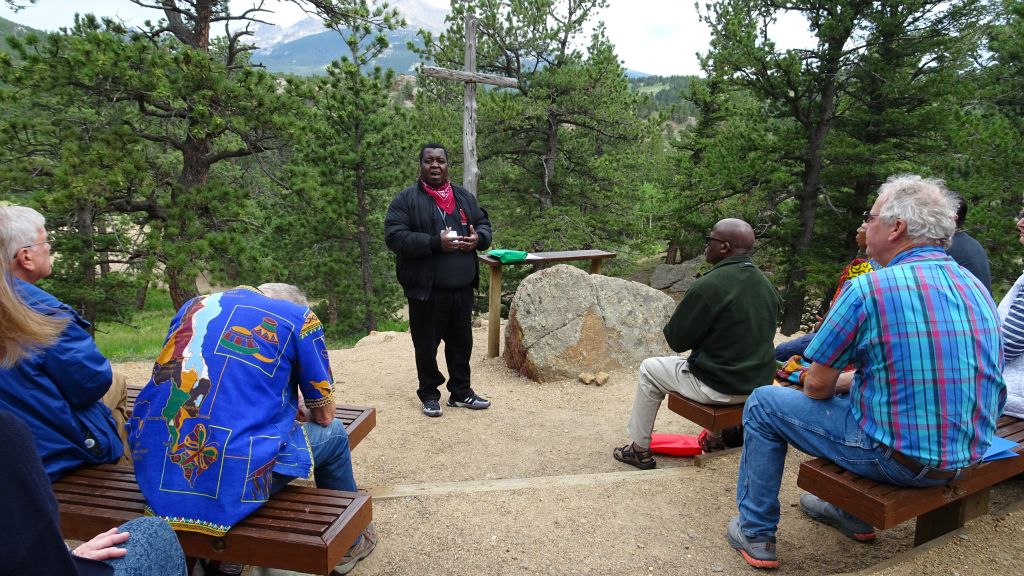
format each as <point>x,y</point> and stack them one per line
<point>508,256</point>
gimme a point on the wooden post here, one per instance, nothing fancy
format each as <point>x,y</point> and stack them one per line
<point>470,172</point>
<point>494,313</point>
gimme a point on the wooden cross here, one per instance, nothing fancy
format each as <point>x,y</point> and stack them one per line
<point>471,174</point>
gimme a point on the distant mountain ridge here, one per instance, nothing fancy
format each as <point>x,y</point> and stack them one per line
<point>8,28</point>
<point>307,48</point>
<point>311,54</point>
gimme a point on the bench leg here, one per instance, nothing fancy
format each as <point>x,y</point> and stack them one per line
<point>950,517</point>
<point>494,312</point>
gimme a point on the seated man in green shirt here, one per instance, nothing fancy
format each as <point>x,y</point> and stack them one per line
<point>728,319</point>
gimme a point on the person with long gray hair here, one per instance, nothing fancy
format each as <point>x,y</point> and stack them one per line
<point>67,393</point>
<point>923,335</point>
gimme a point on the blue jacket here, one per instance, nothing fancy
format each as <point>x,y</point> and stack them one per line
<point>57,393</point>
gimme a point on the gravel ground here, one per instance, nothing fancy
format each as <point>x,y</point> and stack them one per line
<point>529,487</point>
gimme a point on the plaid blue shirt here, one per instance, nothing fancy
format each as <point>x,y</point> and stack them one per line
<point>924,336</point>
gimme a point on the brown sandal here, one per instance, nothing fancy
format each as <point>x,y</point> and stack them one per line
<point>642,459</point>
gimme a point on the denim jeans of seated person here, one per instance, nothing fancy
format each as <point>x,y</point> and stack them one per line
<point>332,458</point>
<point>153,550</point>
<point>775,417</point>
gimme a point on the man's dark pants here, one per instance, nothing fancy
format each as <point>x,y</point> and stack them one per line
<point>446,316</point>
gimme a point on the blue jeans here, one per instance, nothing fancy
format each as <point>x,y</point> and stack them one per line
<point>153,550</point>
<point>793,347</point>
<point>332,460</point>
<point>775,417</point>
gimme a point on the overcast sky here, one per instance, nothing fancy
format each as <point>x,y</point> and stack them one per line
<point>652,36</point>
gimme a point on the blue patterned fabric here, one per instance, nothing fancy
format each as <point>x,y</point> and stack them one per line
<point>924,336</point>
<point>217,417</point>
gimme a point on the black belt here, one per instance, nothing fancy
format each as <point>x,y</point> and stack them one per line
<point>915,467</point>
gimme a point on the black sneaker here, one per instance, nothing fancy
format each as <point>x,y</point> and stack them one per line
<point>432,408</point>
<point>473,402</point>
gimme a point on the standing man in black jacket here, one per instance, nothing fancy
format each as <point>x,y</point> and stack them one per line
<point>434,228</point>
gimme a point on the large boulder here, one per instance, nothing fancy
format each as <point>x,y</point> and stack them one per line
<point>676,277</point>
<point>564,321</point>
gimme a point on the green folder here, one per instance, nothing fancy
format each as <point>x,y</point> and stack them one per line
<point>508,256</point>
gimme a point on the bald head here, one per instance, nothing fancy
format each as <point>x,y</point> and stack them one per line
<point>729,237</point>
<point>737,233</point>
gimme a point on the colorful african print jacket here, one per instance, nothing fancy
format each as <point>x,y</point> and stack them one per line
<point>217,417</point>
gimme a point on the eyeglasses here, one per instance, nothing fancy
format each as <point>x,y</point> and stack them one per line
<point>710,239</point>
<point>868,216</point>
<point>47,242</point>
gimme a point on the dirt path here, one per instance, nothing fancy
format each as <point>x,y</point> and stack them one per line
<point>530,487</point>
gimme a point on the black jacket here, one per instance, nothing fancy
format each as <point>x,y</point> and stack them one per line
<point>411,231</point>
<point>30,539</point>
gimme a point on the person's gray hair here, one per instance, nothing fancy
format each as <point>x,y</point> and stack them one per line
<point>924,204</point>
<point>19,226</point>
<point>280,291</point>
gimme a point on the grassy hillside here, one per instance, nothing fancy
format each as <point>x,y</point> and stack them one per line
<point>8,28</point>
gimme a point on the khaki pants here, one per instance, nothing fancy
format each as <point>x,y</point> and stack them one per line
<point>659,376</point>
<point>116,399</point>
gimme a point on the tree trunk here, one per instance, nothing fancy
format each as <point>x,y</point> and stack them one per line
<point>362,215</point>
<point>101,228</point>
<point>332,309</point>
<point>87,306</point>
<point>140,296</point>
<point>793,304</point>
<point>547,195</point>
<point>672,254</point>
<point>181,279</point>
<point>817,130</point>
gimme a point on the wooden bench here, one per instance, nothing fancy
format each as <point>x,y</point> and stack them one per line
<point>939,509</point>
<point>713,417</point>
<point>494,294</point>
<point>359,420</point>
<point>716,417</point>
<point>302,529</point>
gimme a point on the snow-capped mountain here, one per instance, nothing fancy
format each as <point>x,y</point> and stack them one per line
<point>268,36</point>
<point>417,13</point>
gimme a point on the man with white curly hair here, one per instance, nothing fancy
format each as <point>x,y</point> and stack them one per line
<point>921,407</point>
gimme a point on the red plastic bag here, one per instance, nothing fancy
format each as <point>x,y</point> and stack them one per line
<point>675,444</point>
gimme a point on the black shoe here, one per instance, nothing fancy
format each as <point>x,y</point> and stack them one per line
<point>432,408</point>
<point>473,402</point>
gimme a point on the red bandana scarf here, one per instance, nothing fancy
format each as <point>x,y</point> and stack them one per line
<point>444,196</point>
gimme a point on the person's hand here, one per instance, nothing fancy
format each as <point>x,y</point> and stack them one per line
<point>450,243</point>
<point>469,243</point>
<point>103,546</point>
<point>323,415</point>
